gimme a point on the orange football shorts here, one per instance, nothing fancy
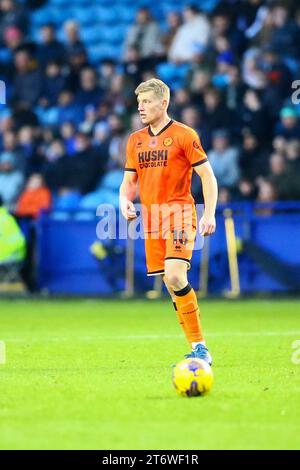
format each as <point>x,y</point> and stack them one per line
<point>174,244</point>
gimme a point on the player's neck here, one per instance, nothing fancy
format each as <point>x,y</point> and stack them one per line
<point>158,125</point>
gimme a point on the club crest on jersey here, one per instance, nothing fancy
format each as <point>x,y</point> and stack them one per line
<point>196,145</point>
<point>153,142</point>
<point>168,141</point>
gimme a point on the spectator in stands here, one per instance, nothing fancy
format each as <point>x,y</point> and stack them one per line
<point>191,38</point>
<point>253,160</point>
<point>198,82</point>
<point>107,71</point>
<point>143,34</point>
<point>89,92</point>
<point>56,166</point>
<point>289,126</point>
<point>292,150</point>
<point>73,43</point>
<point>50,48</point>
<point>77,61</point>
<point>235,89</point>
<point>116,136</point>
<point>278,81</point>
<point>55,150</point>
<point>35,197</point>
<point>252,74</point>
<point>86,167</point>
<point>266,192</point>
<point>285,33</point>
<point>181,100</point>
<point>191,117</point>
<point>12,14</point>
<point>253,115</point>
<point>277,165</point>
<point>67,132</point>
<point>215,114</point>
<point>90,119</point>
<point>246,190</point>
<point>221,26</point>
<point>174,21</point>
<point>224,160</point>
<point>23,115</point>
<point>101,133</point>
<point>279,144</point>
<point>11,170</point>
<point>118,96</point>
<point>12,149</point>
<point>28,146</point>
<point>13,38</point>
<point>28,79</point>
<point>132,66</point>
<point>284,179</point>
<point>54,82</point>
<point>68,109</point>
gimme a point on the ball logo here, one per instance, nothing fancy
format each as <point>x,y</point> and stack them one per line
<point>168,141</point>
<point>196,145</point>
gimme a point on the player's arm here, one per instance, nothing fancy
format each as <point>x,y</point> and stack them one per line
<point>207,223</point>
<point>128,191</point>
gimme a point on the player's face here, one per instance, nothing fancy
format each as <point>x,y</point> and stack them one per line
<point>150,107</point>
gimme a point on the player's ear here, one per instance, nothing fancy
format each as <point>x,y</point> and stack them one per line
<point>164,104</point>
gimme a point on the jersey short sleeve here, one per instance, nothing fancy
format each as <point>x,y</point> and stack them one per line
<point>193,148</point>
<point>130,161</point>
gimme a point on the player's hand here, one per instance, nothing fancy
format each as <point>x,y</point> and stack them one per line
<point>127,209</point>
<point>207,225</point>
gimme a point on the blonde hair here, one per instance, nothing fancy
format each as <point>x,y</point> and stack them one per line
<point>159,88</point>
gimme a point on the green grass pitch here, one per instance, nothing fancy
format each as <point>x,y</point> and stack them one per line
<point>96,374</point>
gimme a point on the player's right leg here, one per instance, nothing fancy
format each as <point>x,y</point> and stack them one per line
<point>173,297</point>
<point>187,307</point>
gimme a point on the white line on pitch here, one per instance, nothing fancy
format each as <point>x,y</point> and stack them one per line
<point>154,337</point>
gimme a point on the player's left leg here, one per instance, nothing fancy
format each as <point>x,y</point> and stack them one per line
<point>187,306</point>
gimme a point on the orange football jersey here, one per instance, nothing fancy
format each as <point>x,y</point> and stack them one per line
<point>164,164</point>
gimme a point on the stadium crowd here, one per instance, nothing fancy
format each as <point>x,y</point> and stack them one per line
<point>67,118</point>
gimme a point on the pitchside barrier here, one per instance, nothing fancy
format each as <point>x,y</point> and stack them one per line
<point>255,249</point>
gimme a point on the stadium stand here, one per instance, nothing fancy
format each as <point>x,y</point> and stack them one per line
<point>70,70</point>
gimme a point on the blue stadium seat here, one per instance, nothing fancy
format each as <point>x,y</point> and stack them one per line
<point>106,15</point>
<point>173,74</point>
<point>87,3</point>
<point>103,51</point>
<point>35,33</point>
<point>92,35</point>
<point>42,16</point>
<point>111,34</point>
<point>112,180</point>
<point>67,201</point>
<point>85,16</point>
<point>126,14</point>
<point>106,3</point>
<point>208,5</point>
<point>60,3</point>
<point>5,55</point>
<point>58,15</point>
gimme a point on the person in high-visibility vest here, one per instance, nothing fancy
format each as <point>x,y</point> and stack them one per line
<point>12,240</point>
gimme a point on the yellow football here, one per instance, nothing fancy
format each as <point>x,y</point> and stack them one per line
<point>192,377</point>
